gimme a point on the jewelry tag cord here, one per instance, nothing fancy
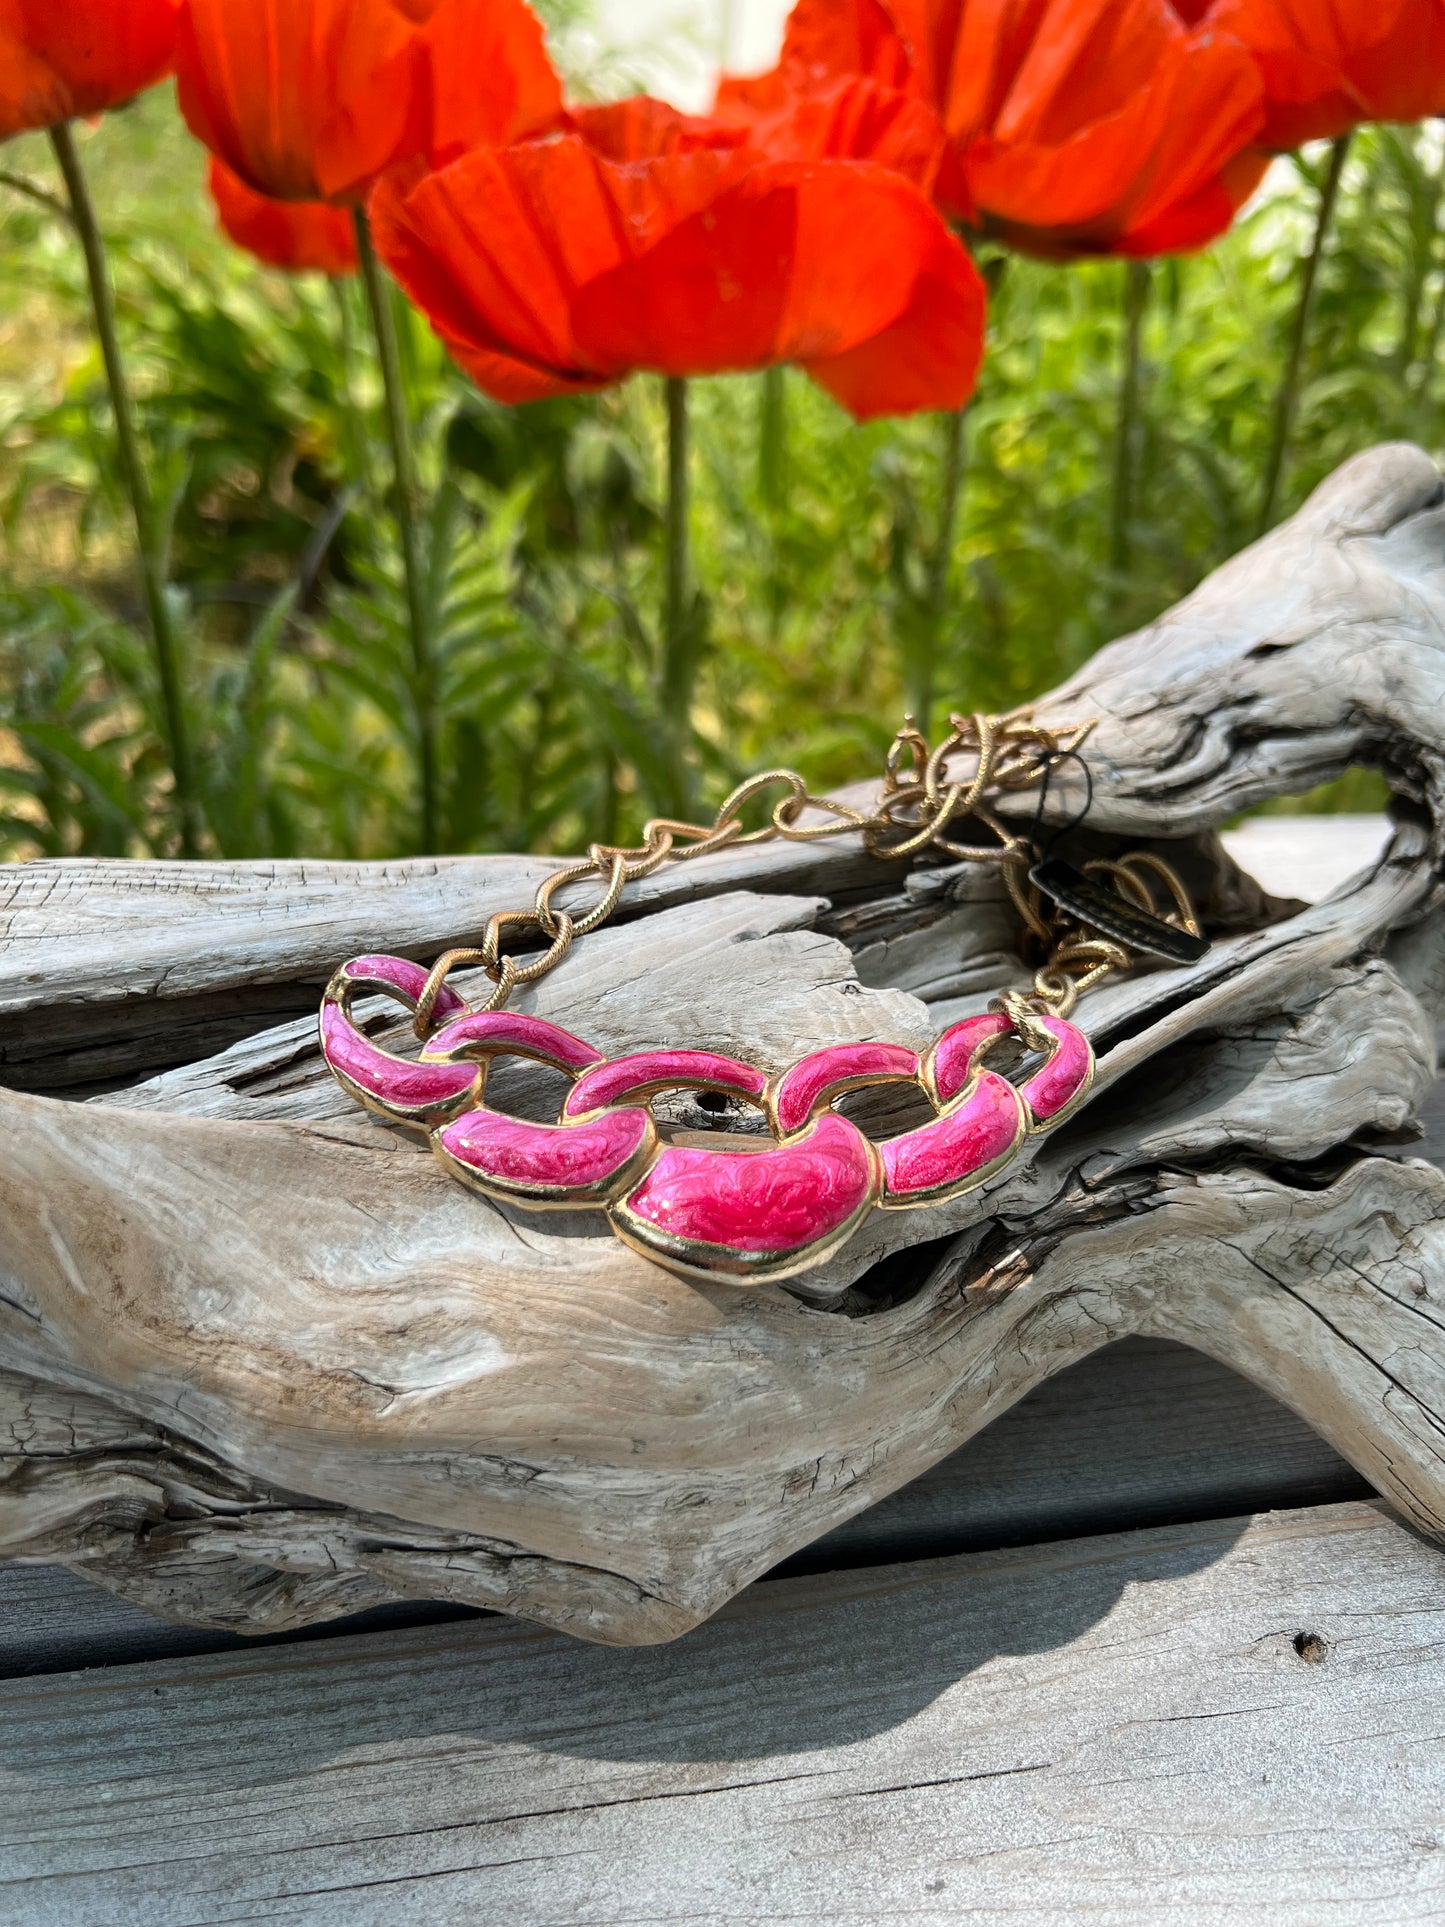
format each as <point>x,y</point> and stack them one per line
<point>1094,905</point>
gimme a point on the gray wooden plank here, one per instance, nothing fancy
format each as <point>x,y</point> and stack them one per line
<point>1144,1433</point>
<point>54,1621</point>
<point>1195,1723</point>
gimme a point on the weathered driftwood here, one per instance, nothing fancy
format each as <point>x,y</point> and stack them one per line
<point>260,1362</point>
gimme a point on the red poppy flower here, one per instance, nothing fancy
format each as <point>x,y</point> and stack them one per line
<point>62,58</point>
<point>845,88</point>
<point>1074,126</point>
<point>647,241</point>
<point>1328,65</point>
<point>852,119</point>
<point>869,37</point>
<point>1102,125</point>
<point>294,235</point>
<point>310,100</point>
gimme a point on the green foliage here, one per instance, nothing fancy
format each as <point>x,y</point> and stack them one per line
<point>824,599</point>
<point>78,777</point>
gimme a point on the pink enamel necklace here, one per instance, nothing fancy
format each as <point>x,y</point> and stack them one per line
<point>738,1212</point>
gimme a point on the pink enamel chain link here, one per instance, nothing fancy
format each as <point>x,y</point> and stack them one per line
<point>788,1202</point>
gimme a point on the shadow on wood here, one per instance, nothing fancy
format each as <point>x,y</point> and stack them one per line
<point>1250,1729</point>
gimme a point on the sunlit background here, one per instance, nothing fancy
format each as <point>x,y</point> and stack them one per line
<point>678,46</point>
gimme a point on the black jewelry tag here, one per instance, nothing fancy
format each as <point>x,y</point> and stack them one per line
<point>1106,911</point>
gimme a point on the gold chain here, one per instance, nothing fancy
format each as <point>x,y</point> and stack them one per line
<point>923,806</point>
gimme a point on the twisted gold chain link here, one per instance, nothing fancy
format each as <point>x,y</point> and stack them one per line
<point>923,806</point>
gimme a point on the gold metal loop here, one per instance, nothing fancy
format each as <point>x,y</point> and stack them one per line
<point>921,800</point>
<point>1156,865</point>
<point>506,984</point>
<point>656,848</point>
<point>1132,888</point>
<point>1027,899</point>
<point>909,742</point>
<point>1076,965</point>
<point>734,804</point>
<point>431,990</point>
<point>696,841</point>
<point>611,864</point>
<point>503,921</point>
<point>561,944</point>
<point>839,815</point>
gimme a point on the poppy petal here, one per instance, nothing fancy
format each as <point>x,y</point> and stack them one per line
<point>743,98</point>
<point>708,297</point>
<point>826,40</point>
<point>1070,126</point>
<point>506,378</point>
<point>31,93</point>
<point>643,129</point>
<point>480,78</point>
<point>794,262</point>
<point>496,247</point>
<point>292,235</point>
<point>473,246</point>
<point>1108,134</point>
<point>312,100</point>
<point>1328,66</point>
<point>370,105</point>
<point>933,30</point>
<point>929,357</point>
<point>80,58</point>
<point>1040,72</point>
<point>1200,218</point>
<point>856,120</point>
<point>259,85</point>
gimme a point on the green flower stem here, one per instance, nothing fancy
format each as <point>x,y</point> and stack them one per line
<point>1286,403</point>
<point>424,676</point>
<point>773,439</point>
<point>148,537</point>
<point>1424,225</point>
<point>678,655</point>
<point>1137,280</point>
<point>357,451</point>
<point>19,184</point>
<point>1424,374</point>
<point>924,677</point>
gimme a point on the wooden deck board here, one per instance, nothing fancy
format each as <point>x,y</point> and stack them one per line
<point>1120,1729</point>
<point>1142,1434</point>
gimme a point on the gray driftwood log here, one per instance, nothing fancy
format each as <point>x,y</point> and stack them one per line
<point>261,1363</point>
